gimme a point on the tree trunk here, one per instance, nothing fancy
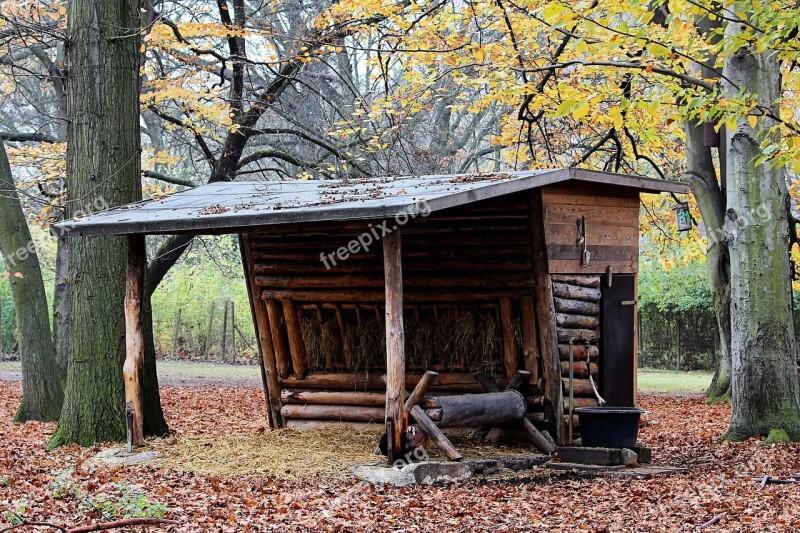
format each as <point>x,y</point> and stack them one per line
<point>103,168</point>
<point>702,178</point>
<point>42,395</point>
<point>765,391</point>
<point>61,307</point>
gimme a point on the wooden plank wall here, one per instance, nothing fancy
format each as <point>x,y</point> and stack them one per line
<point>612,227</point>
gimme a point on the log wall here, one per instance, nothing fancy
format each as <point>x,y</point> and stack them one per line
<point>469,300</point>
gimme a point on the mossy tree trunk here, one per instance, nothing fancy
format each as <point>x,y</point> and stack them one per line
<point>765,395</point>
<point>103,169</point>
<point>42,396</point>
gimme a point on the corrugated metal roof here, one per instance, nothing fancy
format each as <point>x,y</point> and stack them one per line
<point>227,207</point>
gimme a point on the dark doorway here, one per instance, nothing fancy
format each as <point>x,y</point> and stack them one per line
<point>617,368</point>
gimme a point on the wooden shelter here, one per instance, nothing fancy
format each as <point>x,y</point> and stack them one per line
<point>359,286</point>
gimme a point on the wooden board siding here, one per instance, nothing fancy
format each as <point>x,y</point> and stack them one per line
<point>612,227</point>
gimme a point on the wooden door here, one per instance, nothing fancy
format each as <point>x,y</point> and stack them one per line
<point>618,340</point>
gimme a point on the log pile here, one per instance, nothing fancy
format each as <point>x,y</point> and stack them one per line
<point>577,303</point>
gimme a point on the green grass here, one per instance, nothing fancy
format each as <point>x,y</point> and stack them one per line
<point>657,381</point>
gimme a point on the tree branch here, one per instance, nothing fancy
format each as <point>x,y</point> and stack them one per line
<point>168,179</point>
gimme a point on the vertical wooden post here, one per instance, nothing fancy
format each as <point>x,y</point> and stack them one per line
<point>395,345</point>
<point>278,338</point>
<point>269,372</point>
<point>295,335</point>
<point>530,346</point>
<point>546,315</point>
<point>134,339</point>
<point>510,352</point>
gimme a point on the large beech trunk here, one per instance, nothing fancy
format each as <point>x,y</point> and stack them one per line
<point>103,168</point>
<point>765,392</point>
<point>42,396</point>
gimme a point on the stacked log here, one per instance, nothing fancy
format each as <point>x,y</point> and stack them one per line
<point>576,298</point>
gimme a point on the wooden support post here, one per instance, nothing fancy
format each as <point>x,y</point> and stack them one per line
<point>546,314</point>
<point>519,380</point>
<point>295,335</point>
<point>419,391</point>
<point>278,339</point>
<point>435,433</point>
<point>134,339</point>
<point>510,353</point>
<point>258,308</point>
<point>395,341</point>
<point>530,344</point>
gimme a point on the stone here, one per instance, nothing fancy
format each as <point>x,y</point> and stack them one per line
<point>597,456</point>
<point>644,454</point>
<point>435,473</point>
<point>424,473</point>
<point>629,457</point>
<point>524,462</point>
<point>121,457</point>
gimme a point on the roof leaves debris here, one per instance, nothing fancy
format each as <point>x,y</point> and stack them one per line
<point>233,207</point>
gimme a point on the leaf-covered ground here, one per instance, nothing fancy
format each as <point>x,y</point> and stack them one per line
<point>39,486</point>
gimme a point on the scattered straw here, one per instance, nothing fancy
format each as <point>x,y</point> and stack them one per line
<point>292,454</point>
<point>285,453</point>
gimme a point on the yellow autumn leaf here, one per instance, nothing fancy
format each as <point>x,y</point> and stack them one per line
<point>581,110</point>
<point>616,117</point>
<point>753,120</point>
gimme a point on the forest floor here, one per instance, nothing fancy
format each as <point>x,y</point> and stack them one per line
<point>64,487</point>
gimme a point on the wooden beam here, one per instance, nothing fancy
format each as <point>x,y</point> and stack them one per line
<point>281,348</point>
<point>395,341</point>
<point>419,391</point>
<point>546,314</point>
<point>530,343</point>
<point>296,344</point>
<point>435,434</point>
<point>269,370</point>
<point>134,338</point>
<point>510,352</point>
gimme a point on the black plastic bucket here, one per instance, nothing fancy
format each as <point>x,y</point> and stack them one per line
<point>609,427</point>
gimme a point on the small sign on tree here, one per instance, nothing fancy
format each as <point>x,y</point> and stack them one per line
<point>683,218</point>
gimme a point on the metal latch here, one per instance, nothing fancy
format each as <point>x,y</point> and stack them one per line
<point>630,302</point>
<point>585,255</point>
